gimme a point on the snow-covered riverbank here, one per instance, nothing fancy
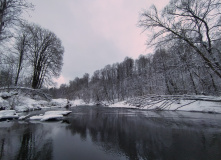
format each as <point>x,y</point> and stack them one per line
<point>47,116</point>
<point>207,104</point>
<point>23,103</point>
<point>183,105</point>
<point>15,103</point>
<point>12,104</point>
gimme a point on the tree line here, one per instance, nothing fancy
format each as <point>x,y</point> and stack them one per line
<point>29,54</point>
<point>171,71</point>
<point>186,35</point>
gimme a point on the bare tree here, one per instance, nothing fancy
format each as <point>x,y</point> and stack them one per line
<point>196,22</point>
<point>10,14</point>
<point>20,47</point>
<point>45,53</point>
<point>7,70</point>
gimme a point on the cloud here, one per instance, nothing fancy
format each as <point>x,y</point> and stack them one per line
<point>60,80</point>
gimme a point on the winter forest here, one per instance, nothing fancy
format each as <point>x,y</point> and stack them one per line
<point>162,104</point>
<point>186,36</point>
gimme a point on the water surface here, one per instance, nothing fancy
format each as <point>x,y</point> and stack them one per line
<point>100,133</point>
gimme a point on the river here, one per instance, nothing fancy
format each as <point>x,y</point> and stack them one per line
<point>101,133</point>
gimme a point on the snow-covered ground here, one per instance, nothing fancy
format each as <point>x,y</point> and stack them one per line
<point>63,102</point>
<point>23,103</point>
<point>13,103</point>
<point>20,103</point>
<point>8,114</point>
<point>207,104</point>
<point>51,115</point>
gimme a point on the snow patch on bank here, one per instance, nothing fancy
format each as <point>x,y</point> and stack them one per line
<point>19,103</point>
<point>64,113</point>
<point>197,103</point>
<point>47,117</point>
<point>63,102</point>
<point>8,114</point>
<point>23,103</point>
<point>79,102</point>
<point>58,102</point>
<point>212,105</point>
<point>51,115</point>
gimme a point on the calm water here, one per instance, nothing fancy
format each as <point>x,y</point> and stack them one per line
<point>99,133</point>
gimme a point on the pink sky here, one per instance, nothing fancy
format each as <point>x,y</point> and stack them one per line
<point>94,33</point>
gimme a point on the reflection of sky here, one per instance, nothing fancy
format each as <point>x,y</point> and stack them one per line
<point>68,146</point>
<point>110,134</point>
<point>94,33</point>
<point>105,133</point>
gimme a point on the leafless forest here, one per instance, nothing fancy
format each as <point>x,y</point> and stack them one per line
<point>186,59</point>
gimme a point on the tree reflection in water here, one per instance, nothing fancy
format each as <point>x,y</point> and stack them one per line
<point>25,141</point>
<point>112,133</point>
<point>138,136</point>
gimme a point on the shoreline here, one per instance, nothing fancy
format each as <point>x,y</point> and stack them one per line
<point>187,103</point>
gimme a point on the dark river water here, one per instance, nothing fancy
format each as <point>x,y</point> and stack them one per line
<point>100,133</point>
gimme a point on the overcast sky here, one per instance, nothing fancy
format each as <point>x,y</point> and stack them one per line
<point>94,33</point>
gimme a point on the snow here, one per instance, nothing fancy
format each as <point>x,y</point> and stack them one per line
<point>39,117</point>
<point>63,102</point>
<point>23,117</point>
<point>8,114</point>
<point>51,115</point>
<point>20,103</point>
<point>6,94</point>
<point>58,102</point>
<point>213,106</point>
<point>64,113</point>
<point>27,104</point>
<point>47,117</point>
<point>78,102</point>
<point>4,104</point>
<point>23,103</point>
